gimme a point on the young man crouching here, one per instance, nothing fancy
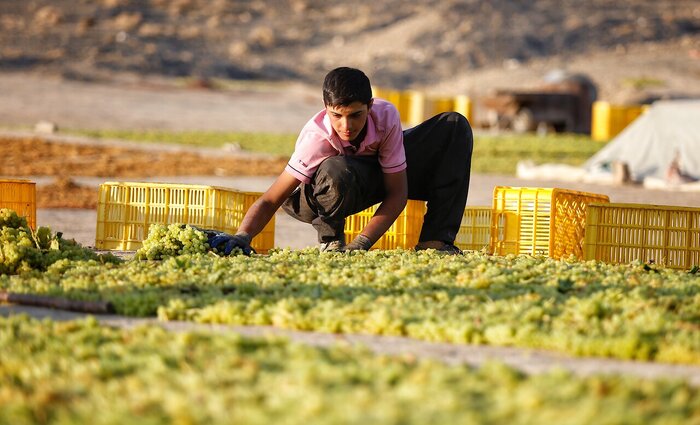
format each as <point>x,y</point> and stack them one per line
<point>353,154</point>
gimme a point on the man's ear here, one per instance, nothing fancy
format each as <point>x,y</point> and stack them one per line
<point>370,103</point>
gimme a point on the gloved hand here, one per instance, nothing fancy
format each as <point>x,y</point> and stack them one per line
<point>361,242</point>
<point>227,243</point>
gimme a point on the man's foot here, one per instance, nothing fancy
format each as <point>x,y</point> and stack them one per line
<point>440,246</point>
<point>332,246</point>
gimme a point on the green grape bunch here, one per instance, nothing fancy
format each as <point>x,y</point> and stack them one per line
<point>23,249</point>
<point>9,218</point>
<point>18,252</point>
<point>172,240</point>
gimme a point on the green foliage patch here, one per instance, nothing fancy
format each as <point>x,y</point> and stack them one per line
<point>500,154</point>
<point>270,143</point>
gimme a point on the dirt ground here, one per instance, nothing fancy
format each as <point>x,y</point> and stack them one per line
<point>69,169</point>
<point>68,173</point>
<point>35,156</point>
<point>30,98</point>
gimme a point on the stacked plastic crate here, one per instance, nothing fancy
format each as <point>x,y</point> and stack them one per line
<point>19,195</point>
<point>126,210</point>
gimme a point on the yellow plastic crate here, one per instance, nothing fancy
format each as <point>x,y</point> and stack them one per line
<point>438,105</point>
<point>620,233</point>
<point>475,231</point>
<point>609,120</point>
<point>403,233</point>
<point>401,100</point>
<point>125,211</point>
<point>545,221</point>
<point>19,195</point>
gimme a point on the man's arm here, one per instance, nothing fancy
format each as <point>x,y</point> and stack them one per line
<point>262,211</point>
<point>396,189</point>
<point>257,217</point>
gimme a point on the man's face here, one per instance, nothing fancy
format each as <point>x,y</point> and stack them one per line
<point>348,121</point>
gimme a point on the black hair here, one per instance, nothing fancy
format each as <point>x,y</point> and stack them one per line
<point>343,86</point>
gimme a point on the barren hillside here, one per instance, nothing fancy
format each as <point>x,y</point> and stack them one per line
<point>628,47</point>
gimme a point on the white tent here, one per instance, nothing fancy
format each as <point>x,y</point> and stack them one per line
<point>668,131</point>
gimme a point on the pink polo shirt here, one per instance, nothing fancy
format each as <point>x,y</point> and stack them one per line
<point>318,141</point>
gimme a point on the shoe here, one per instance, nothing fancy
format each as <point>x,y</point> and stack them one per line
<point>439,246</point>
<point>332,246</point>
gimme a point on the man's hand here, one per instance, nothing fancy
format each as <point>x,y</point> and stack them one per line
<point>227,243</point>
<point>361,242</point>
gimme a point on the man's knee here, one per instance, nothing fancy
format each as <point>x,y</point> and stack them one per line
<point>462,128</point>
<point>460,120</point>
<point>332,173</point>
<point>332,167</point>
<point>331,183</point>
<point>453,116</point>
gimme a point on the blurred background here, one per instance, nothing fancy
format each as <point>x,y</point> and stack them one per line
<point>629,49</point>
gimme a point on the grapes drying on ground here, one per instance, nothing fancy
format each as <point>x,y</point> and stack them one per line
<point>632,311</point>
<point>81,372</point>
<point>23,249</point>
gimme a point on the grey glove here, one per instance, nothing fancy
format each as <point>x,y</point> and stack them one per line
<point>227,243</point>
<point>361,242</point>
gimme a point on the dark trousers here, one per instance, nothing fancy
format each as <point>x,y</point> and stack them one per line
<point>438,157</point>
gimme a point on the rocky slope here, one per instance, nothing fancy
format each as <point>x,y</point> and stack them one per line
<point>429,43</point>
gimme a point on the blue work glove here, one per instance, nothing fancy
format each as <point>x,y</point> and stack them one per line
<point>361,242</point>
<point>226,243</point>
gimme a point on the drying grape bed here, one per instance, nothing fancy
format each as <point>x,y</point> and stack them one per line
<point>583,308</point>
<point>65,372</point>
<point>80,372</point>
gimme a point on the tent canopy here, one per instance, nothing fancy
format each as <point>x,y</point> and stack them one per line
<point>668,130</point>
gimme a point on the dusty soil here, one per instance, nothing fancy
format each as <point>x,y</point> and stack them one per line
<point>34,156</point>
<point>74,169</point>
<point>629,48</point>
<point>148,102</point>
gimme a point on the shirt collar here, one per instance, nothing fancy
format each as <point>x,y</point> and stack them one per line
<point>340,144</point>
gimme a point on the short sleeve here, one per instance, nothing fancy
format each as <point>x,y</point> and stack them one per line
<point>311,149</point>
<point>392,155</point>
